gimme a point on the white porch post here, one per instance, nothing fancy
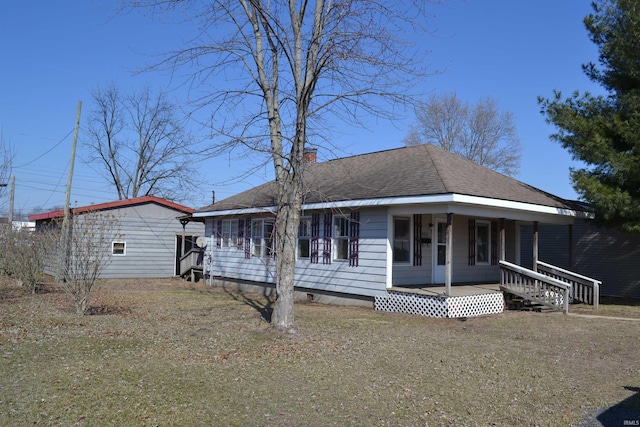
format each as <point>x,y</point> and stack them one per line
<point>535,246</point>
<point>449,256</point>
<point>389,278</point>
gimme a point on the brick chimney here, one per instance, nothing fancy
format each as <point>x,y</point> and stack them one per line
<point>310,155</point>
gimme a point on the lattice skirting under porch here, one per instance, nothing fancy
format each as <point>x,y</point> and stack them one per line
<point>432,306</point>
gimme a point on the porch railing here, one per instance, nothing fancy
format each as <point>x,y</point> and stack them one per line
<point>583,289</point>
<point>191,261</point>
<point>534,286</point>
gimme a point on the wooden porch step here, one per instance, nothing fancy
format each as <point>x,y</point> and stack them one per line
<point>538,308</point>
<point>515,302</point>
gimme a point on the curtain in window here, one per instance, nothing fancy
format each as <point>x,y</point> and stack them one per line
<point>219,234</point>
<point>354,239</point>
<point>315,237</point>
<point>240,240</point>
<point>328,225</point>
<point>247,238</point>
<point>272,250</point>
<point>417,243</point>
<point>472,242</point>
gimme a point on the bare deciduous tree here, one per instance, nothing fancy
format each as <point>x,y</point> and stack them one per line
<point>271,70</point>
<point>87,254</point>
<point>480,133</point>
<point>141,144</point>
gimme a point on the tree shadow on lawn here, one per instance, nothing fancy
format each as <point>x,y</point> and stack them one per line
<point>11,289</point>
<point>263,305</point>
<point>625,413</point>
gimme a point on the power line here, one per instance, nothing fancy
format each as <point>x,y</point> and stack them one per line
<point>46,152</point>
<point>55,173</point>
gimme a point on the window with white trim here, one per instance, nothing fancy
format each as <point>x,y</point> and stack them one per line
<point>483,242</point>
<point>340,237</point>
<point>262,237</point>
<point>304,238</point>
<point>119,248</point>
<point>229,233</point>
<point>401,240</point>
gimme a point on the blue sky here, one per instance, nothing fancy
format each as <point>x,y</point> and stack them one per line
<point>53,54</point>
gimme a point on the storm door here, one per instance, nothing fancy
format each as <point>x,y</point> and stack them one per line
<point>440,250</point>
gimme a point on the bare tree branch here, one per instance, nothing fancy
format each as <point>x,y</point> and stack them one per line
<point>480,133</point>
<point>141,144</point>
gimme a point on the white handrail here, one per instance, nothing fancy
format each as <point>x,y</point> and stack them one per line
<point>534,280</point>
<point>586,289</point>
<point>536,275</point>
<point>571,273</point>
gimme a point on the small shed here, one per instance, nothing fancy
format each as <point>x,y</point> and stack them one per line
<point>150,236</point>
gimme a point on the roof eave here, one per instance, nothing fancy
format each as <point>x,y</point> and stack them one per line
<point>114,205</point>
<point>451,198</point>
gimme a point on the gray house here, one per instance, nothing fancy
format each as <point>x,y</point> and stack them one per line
<point>388,227</point>
<point>150,241</point>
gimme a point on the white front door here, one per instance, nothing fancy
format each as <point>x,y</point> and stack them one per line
<point>440,250</point>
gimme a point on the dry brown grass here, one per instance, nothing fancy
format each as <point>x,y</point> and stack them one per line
<point>173,353</point>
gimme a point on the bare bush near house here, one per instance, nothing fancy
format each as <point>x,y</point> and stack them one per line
<point>87,254</point>
<point>481,132</point>
<point>26,253</point>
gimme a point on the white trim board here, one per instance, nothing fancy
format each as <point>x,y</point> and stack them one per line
<point>454,203</point>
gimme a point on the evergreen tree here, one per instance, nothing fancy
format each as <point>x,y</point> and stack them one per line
<point>604,131</point>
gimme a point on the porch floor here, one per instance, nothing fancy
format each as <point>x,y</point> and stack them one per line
<point>456,290</point>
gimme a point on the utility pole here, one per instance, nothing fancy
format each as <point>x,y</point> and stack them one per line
<point>11,197</point>
<point>66,229</point>
<point>4,184</point>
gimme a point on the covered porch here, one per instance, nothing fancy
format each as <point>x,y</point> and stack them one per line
<point>479,247</point>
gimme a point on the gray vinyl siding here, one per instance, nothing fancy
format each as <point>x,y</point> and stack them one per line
<point>603,254</point>
<point>368,278</point>
<point>462,272</point>
<point>409,274</point>
<point>230,262</point>
<point>149,232</point>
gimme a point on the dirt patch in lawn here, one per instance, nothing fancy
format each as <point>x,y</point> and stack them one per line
<point>170,352</point>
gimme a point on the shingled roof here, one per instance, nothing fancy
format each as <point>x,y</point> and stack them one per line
<point>421,170</point>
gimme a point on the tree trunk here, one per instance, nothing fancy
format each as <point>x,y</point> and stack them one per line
<point>287,222</point>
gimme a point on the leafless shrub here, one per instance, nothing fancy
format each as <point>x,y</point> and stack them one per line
<point>86,252</point>
<point>26,254</point>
